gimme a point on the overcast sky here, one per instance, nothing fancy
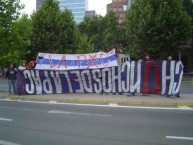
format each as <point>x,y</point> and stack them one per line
<point>98,5</point>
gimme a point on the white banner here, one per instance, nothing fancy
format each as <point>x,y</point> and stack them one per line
<point>50,61</point>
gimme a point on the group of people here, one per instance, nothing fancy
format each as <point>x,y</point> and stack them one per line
<point>11,73</point>
<point>30,65</point>
<point>147,58</point>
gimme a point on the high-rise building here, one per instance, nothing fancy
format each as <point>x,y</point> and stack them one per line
<point>90,14</point>
<point>38,4</point>
<point>119,7</point>
<point>78,8</point>
<point>129,3</point>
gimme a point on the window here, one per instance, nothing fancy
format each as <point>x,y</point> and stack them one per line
<point>120,15</point>
<point>120,9</point>
<point>109,9</point>
<point>114,9</point>
<point>114,1</point>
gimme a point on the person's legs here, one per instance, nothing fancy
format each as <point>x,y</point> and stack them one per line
<point>9,85</point>
<point>178,94</point>
<point>14,88</point>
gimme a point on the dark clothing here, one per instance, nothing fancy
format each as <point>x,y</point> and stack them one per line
<point>11,74</point>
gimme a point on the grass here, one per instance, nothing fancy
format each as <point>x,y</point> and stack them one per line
<point>101,102</point>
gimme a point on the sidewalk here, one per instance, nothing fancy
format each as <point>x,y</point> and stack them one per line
<point>151,100</point>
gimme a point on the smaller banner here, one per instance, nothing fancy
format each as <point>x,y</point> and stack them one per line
<point>48,61</point>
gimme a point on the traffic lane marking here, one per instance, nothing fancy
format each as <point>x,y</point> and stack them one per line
<point>179,138</point>
<point>3,142</point>
<point>6,119</point>
<point>77,113</point>
<point>185,107</point>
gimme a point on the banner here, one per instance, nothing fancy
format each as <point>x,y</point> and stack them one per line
<point>153,77</point>
<point>48,61</point>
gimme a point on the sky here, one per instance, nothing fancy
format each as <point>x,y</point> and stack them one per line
<point>98,5</point>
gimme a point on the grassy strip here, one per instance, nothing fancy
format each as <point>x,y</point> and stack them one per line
<point>101,102</point>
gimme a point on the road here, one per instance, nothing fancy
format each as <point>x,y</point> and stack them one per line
<point>27,123</point>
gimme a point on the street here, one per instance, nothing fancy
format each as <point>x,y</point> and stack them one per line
<point>27,123</point>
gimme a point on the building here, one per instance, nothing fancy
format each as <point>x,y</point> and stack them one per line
<point>78,8</point>
<point>90,14</point>
<point>119,7</point>
<point>129,4</point>
<point>38,4</point>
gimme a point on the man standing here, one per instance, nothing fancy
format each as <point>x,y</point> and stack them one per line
<point>11,76</point>
<point>169,58</point>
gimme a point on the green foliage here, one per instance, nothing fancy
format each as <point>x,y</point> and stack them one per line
<point>20,42</point>
<point>92,27</point>
<point>84,45</point>
<point>188,6</point>
<point>53,31</point>
<point>157,27</point>
<point>110,33</point>
<point>9,13</point>
<point>105,32</point>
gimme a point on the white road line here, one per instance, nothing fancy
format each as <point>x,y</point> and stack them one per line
<point>3,142</point>
<point>76,113</point>
<point>52,101</point>
<point>5,119</point>
<point>185,107</point>
<point>95,105</point>
<point>179,137</point>
<point>16,108</point>
<point>113,105</point>
<point>7,99</point>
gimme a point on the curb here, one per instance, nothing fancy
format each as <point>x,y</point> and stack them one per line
<point>100,102</point>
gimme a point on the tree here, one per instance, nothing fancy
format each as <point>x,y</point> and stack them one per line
<point>188,6</point>
<point>93,28</point>
<point>157,27</point>
<point>9,13</point>
<point>105,32</point>
<point>20,41</point>
<point>69,32</point>
<point>110,34</point>
<point>53,30</point>
<point>84,45</point>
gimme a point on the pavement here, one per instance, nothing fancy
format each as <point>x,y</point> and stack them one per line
<point>138,99</point>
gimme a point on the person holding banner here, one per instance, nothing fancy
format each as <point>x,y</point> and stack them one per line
<point>11,76</point>
<point>147,58</point>
<point>169,59</point>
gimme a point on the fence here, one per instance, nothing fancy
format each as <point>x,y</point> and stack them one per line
<point>3,84</point>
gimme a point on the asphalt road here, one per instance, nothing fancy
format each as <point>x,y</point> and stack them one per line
<point>53,124</point>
